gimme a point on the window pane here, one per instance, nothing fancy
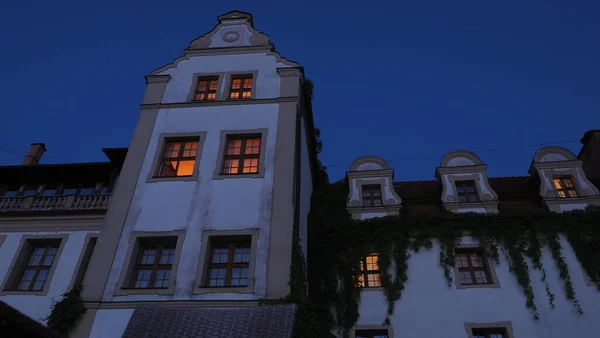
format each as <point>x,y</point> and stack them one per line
<point>217,277</point>
<point>465,277</point>
<point>142,278</point>
<point>161,280</point>
<point>40,280</point>
<point>186,168</point>
<point>202,86</point>
<point>250,166</point>
<point>172,149</point>
<point>36,256</point>
<point>167,169</point>
<point>562,194</point>
<point>86,191</point>
<point>374,279</point>
<point>252,146</point>
<point>247,95</point>
<point>231,166</point>
<point>557,183</point>
<point>372,262</point>
<point>234,147</point>
<point>572,193</point>
<point>234,95</point>
<point>241,255</point>
<point>49,191</point>
<point>220,255</point>
<point>214,85</point>
<point>166,256</point>
<point>50,253</point>
<point>26,279</point>
<point>481,277</point>
<point>148,255</point>
<point>190,149</point>
<point>461,261</point>
<point>11,193</point>
<point>248,83</point>
<point>568,183</point>
<point>199,97</point>
<point>236,84</point>
<point>239,276</point>
<point>31,191</point>
<point>211,96</point>
<point>69,191</point>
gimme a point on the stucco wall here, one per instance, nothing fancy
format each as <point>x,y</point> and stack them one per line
<point>110,323</point>
<point>38,307</point>
<point>428,306</point>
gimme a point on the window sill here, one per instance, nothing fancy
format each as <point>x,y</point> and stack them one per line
<point>478,286</point>
<point>235,289</point>
<point>226,176</point>
<point>23,292</point>
<point>155,179</point>
<point>132,291</point>
<point>370,289</point>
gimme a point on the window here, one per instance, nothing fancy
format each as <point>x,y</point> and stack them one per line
<point>372,195</point>
<point>382,333</point>
<point>32,268</point>
<point>472,267</point>
<point>153,263</point>
<point>228,263</point>
<point>370,274</point>
<point>465,190</point>
<point>31,190</point>
<point>242,155</point>
<point>565,188</point>
<point>8,192</point>
<point>207,88</point>
<point>499,332</point>
<point>179,157</point>
<point>241,87</point>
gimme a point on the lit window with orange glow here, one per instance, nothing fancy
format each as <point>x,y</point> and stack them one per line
<point>370,274</point>
<point>565,188</point>
<point>179,158</point>
<point>242,155</point>
<point>241,87</point>
<point>207,88</point>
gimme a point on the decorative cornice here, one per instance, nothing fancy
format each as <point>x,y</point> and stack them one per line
<point>193,104</point>
<point>371,173</point>
<point>183,303</point>
<point>49,223</point>
<point>157,78</point>
<point>460,153</point>
<point>462,169</point>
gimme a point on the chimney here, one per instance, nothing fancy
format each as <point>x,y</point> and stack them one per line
<point>590,155</point>
<point>34,155</point>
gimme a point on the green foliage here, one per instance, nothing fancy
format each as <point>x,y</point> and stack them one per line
<point>66,313</point>
<point>339,242</point>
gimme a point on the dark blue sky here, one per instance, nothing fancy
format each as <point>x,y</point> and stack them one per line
<point>397,79</point>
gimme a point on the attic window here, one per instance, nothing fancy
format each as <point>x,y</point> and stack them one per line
<point>466,192</point>
<point>371,195</point>
<point>565,188</point>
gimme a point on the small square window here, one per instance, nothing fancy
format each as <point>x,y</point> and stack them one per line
<point>371,195</point>
<point>491,332</point>
<point>472,268</point>
<point>207,88</point>
<point>564,186</point>
<point>242,155</point>
<point>377,333</point>
<point>370,273</point>
<point>228,262</point>
<point>241,87</point>
<point>153,263</point>
<point>177,157</point>
<point>466,191</point>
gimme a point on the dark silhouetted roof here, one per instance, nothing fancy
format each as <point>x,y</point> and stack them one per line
<point>274,321</point>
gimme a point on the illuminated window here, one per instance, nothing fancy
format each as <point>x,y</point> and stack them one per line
<point>241,87</point>
<point>372,195</point>
<point>472,267</point>
<point>229,262</point>
<point>179,157</point>
<point>242,155</point>
<point>383,333</point>
<point>465,190</point>
<point>565,188</point>
<point>152,269</point>
<point>370,275</point>
<point>498,332</point>
<point>207,88</point>
<point>36,266</point>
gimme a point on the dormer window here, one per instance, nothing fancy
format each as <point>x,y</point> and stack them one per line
<point>466,192</point>
<point>372,195</point>
<point>564,186</point>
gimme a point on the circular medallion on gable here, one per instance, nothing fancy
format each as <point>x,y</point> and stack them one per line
<point>231,36</point>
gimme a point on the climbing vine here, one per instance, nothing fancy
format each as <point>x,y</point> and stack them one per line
<point>66,313</point>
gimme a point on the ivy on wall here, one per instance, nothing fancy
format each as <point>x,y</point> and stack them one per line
<point>66,313</point>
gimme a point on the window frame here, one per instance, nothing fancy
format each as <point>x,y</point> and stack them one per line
<point>209,79</point>
<point>371,188</point>
<point>22,254</point>
<point>573,187</point>
<point>389,329</point>
<point>365,272</point>
<point>160,149</point>
<point>84,259</point>
<point>208,236</point>
<point>506,325</point>
<point>231,242</point>
<point>465,184</point>
<point>227,134</point>
<point>122,287</point>
<point>232,76</point>
<point>488,263</point>
<point>221,76</point>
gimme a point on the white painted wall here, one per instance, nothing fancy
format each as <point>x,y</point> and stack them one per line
<point>38,307</point>
<point>110,323</point>
<point>306,187</point>
<point>428,306</point>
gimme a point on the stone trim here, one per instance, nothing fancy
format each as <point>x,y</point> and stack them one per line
<point>491,267</point>
<point>237,102</point>
<point>369,159</point>
<point>195,80</point>
<point>205,245</point>
<point>20,256</point>
<point>182,303</point>
<point>42,223</point>
<point>505,325</point>
<point>228,80</point>
<point>78,266</point>
<point>132,250</point>
<point>554,204</point>
<point>460,153</point>
<point>553,150</point>
<point>217,175</point>
<point>370,173</point>
<point>160,149</point>
<point>389,328</point>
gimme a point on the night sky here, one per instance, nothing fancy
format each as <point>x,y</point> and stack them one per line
<point>408,81</point>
